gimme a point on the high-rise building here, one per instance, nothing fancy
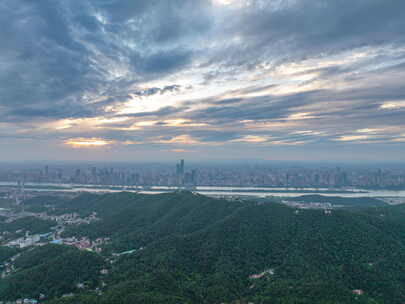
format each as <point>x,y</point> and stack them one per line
<point>180,173</point>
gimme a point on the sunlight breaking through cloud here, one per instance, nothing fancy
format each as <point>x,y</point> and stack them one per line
<point>87,142</point>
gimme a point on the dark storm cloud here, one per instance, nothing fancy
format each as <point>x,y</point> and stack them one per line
<point>52,46</point>
<point>161,62</point>
<point>42,63</point>
<point>58,51</point>
<point>298,29</point>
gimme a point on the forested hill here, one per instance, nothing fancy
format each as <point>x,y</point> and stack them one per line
<point>188,248</point>
<point>339,201</point>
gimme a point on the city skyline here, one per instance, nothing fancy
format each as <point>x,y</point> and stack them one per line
<point>205,80</point>
<point>182,176</point>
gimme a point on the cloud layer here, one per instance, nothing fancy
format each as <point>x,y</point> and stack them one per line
<point>148,77</point>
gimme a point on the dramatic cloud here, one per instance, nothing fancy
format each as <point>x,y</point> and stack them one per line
<point>208,76</point>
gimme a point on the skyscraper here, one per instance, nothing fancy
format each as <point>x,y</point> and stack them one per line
<point>180,173</point>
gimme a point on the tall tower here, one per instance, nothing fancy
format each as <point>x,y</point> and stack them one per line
<point>180,173</point>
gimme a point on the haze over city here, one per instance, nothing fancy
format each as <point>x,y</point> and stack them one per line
<point>203,80</point>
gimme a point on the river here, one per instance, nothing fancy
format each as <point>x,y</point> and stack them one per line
<point>212,191</point>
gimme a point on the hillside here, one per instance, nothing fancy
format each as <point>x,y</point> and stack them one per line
<point>21,226</point>
<point>188,248</point>
<point>51,270</point>
<point>339,201</point>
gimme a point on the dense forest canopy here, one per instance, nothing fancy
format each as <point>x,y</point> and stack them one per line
<point>188,248</point>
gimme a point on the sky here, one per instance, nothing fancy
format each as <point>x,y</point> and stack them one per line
<point>155,80</point>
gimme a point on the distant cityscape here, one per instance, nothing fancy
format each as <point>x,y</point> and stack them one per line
<point>181,175</point>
